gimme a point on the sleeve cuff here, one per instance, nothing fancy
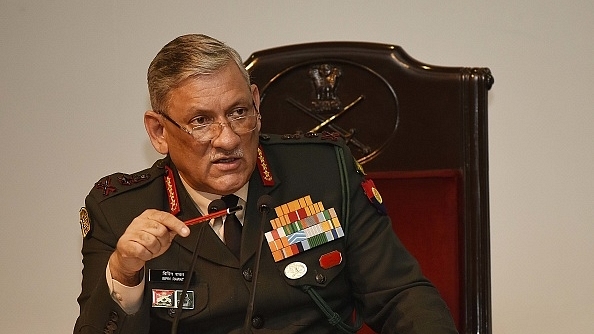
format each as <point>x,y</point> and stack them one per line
<point>128,297</point>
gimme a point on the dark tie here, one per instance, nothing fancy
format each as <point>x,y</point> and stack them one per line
<point>232,226</point>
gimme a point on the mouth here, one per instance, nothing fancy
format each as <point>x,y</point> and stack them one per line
<point>225,160</point>
<point>227,165</point>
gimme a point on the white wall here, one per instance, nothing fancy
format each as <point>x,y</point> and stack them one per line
<point>72,95</point>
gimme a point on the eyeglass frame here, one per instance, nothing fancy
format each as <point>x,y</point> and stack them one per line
<point>228,123</point>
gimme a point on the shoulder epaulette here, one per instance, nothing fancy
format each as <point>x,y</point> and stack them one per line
<point>303,138</point>
<point>117,183</point>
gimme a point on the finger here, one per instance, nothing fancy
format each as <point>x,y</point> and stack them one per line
<point>152,228</point>
<point>153,241</point>
<point>143,239</point>
<point>169,221</point>
<point>132,253</point>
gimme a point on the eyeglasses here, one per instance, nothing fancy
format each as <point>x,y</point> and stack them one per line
<point>209,129</point>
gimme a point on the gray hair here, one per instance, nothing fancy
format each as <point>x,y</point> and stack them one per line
<point>186,57</point>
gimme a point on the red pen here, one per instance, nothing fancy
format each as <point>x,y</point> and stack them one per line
<point>217,214</point>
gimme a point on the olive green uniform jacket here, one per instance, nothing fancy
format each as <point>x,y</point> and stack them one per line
<point>376,274</point>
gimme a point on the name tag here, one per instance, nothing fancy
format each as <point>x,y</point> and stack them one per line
<point>166,276</point>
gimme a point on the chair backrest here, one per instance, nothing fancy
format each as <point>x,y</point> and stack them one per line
<point>420,131</point>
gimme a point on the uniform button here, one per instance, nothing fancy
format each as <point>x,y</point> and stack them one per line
<point>247,274</point>
<point>111,326</point>
<point>113,316</point>
<point>257,321</point>
<point>171,312</point>
<point>320,278</point>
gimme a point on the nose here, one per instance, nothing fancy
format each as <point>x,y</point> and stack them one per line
<point>226,139</point>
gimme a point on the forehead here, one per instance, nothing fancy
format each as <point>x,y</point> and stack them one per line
<point>209,92</point>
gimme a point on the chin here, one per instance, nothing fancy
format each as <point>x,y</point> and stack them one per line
<point>225,187</point>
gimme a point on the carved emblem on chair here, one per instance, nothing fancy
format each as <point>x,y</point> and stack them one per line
<point>325,80</point>
<point>341,97</point>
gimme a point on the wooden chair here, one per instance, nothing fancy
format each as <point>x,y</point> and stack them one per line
<point>420,132</point>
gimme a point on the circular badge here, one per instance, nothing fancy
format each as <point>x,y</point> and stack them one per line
<point>295,270</point>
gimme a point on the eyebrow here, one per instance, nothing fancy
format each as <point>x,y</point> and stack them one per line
<point>195,112</point>
<point>242,101</point>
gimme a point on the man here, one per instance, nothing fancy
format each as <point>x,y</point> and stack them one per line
<point>327,250</point>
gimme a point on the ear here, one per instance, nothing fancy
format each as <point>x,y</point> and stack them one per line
<point>255,95</point>
<point>256,98</point>
<point>156,131</point>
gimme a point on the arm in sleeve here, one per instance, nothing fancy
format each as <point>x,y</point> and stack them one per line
<point>393,294</point>
<point>99,312</point>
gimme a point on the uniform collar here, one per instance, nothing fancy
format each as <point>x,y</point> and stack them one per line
<point>203,199</point>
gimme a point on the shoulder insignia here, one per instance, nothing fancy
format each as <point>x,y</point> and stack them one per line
<point>324,135</point>
<point>296,135</point>
<point>85,222</point>
<point>105,185</point>
<point>117,183</point>
<point>330,135</point>
<point>128,180</point>
<point>300,137</point>
<point>374,196</point>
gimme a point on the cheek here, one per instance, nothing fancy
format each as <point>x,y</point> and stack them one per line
<point>251,146</point>
<point>251,153</point>
<point>192,154</point>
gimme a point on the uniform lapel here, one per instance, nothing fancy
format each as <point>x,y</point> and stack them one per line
<point>210,246</point>
<point>251,225</point>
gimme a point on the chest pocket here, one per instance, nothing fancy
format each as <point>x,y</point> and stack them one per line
<point>319,272</point>
<point>165,282</point>
<point>315,267</point>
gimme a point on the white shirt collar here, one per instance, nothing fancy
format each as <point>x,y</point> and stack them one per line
<point>203,199</point>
